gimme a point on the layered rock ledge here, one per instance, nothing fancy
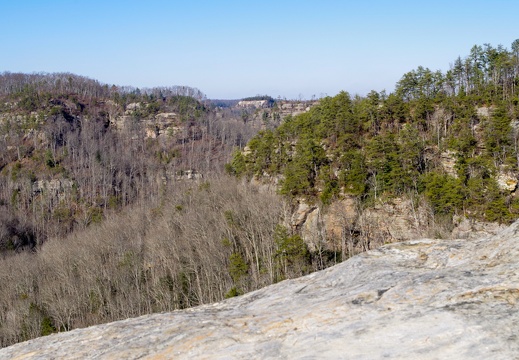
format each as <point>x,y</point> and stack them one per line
<point>423,299</point>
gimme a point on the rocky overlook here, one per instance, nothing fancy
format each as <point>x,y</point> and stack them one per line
<point>427,299</point>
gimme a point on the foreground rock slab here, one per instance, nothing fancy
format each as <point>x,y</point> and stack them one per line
<point>424,299</point>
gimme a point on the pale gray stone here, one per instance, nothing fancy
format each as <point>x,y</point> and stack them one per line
<point>422,299</point>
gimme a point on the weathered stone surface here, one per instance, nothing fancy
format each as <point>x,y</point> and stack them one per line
<point>388,221</point>
<point>422,299</point>
<point>391,221</point>
<point>300,215</point>
<point>448,162</point>
<point>132,107</point>
<point>54,186</point>
<point>484,111</point>
<point>295,108</point>
<point>253,103</point>
<point>188,175</point>
<point>472,229</point>
<point>507,181</point>
<point>398,219</point>
<point>166,116</point>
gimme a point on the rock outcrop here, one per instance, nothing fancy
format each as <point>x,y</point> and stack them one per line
<point>256,104</point>
<point>421,299</point>
<point>55,187</point>
<point>389,221</point>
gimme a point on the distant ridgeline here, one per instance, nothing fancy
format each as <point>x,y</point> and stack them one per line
<point>18,85</point>
<point>450,140</point>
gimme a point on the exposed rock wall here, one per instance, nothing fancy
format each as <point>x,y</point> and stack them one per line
<point>253,103</point>
<point>395,220</point>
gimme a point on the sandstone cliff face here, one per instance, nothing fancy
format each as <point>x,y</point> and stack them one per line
<point>253,104</point>
<point>421,299</point>
<point>344,227</point>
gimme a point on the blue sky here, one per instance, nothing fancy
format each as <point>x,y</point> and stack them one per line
<point>233,49</point>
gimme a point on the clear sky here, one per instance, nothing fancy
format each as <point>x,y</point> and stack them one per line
<point>233,49</point>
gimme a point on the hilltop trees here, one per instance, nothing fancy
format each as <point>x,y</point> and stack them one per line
<point>383,146</point>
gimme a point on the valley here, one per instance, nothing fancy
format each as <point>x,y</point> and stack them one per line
<point>118,202</point>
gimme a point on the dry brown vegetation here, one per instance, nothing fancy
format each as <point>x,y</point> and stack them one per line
<point>201,242</point>
<point>98,221</point>
<point>72,150</point>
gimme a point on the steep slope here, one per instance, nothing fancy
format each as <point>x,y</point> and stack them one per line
<point>424,299</point>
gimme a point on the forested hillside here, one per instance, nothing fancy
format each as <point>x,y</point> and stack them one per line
<point>72,150</point>
<point>100,218</point>
<point>113,204</point>
<point>200,243</point>
<point>449,140</point>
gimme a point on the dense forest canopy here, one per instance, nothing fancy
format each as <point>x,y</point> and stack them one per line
<point>387,145</point>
